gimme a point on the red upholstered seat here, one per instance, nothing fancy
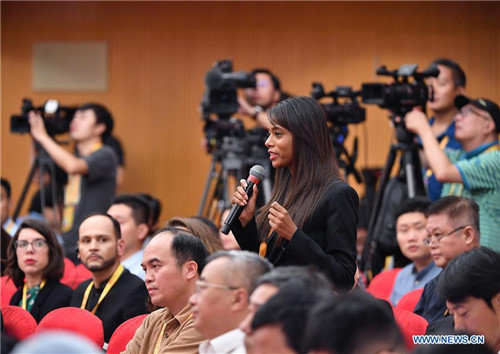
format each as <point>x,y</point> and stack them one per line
<point>410,324</point>
<point>75,320</point>
<point>124,334</point>
<point>7,289</point>
<point>18,322</point>
<point>410,300</point>
<point>381,285</point>
<point>69,273</point>
<point>82,274</point>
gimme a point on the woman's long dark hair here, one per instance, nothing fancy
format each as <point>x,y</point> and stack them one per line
<point>314,161</point>
<point>54,269</point>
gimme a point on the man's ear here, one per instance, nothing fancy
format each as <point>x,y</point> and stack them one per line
<point>276,96</point>
<point>143,231</point>
<point>190,269</point>
<point>240,299</point>
<point>470,235</point>
<point>120,246</point>
<point>100,128</point>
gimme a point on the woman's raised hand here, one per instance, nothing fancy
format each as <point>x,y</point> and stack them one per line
<point>240,197</point>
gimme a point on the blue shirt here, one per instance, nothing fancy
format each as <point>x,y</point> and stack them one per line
<point>133,264</point>
<point>434,187</point>
<point>408,280</point>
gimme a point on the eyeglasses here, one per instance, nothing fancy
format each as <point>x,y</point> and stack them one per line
<point>36,245</point>
<point>469,109</point>
<point>203,285</point>
<point>439,237</point>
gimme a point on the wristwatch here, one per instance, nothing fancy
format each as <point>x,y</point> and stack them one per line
<point>257,109</point>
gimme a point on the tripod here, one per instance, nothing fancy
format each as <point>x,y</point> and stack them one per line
<point>44,163</point>
<point>230,164</point>
<point>338,135</point>
<point>411,170</point>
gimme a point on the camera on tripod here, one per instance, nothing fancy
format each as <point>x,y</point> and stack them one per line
<point>349,112</point>
<point>402,95</point>
<point>340,114</point>
<point>56,118</point>
<point>221,83</point>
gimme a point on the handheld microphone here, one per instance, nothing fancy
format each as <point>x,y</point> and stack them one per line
<point>256,175</point>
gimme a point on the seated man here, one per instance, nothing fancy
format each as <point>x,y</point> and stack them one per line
<point>220,301</point>
<point>270,283</point>
<point>278,326</point>
<point>173,261</point>
<point>352,323</point>
<point>471,286</point>
<point>132,213</point>
<point>472,172</point>
<point>453,228</point>
<point>411,233</point>
<point>113,294</point>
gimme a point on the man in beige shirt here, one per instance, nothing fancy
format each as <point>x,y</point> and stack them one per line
<point>173,261</point>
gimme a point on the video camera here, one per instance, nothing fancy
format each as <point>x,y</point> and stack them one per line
<point>402,95</point>
<point>221,83</point>
<point>56,118</point>
<point>349,112</point>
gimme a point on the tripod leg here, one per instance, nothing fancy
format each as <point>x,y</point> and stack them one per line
<point>55,195</point>
<point>370,243</point>
<point>210,177</point>
<point>26,186</point>
<point>413,173</point>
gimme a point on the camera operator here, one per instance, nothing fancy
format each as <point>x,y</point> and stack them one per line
<point>446,87</point>
<point>474,170</point>
<point>265,95</point>
<point>92,181</point>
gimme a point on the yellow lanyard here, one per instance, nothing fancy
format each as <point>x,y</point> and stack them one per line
<point>160,337</point>
<point>25,290</point>
<point>107,288</point>
<point>442,145</point>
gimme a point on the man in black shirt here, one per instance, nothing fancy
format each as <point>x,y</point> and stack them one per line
<point>113,294</point>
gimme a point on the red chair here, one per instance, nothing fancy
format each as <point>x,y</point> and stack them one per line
<point>82,274</point>
<point>410,324</point>
<point>381,285</point>
<point>410,300</point>
<point>8,289</point>
<point>124,334</point>
<point>18,322</point>
<point>75,320</point>
<point>69,273</point>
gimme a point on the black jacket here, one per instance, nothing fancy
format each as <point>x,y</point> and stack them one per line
<point>52,296</point>
<point>327,239</point>
<point>126,299</point>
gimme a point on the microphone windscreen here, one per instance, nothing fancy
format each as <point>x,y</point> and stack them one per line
<point>258,172</point>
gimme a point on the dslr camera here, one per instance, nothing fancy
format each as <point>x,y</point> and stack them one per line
<point>56,118</point>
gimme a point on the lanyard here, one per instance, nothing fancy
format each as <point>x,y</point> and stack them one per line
<point>107,288</point>
<point>160,337</point>
<point>25,290</point>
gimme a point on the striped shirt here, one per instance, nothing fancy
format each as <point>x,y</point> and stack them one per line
<point>480,171</point>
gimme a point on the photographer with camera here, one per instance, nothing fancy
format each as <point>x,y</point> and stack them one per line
<point>92,181</point>
<point>474,170</point>
<point>258,100</point>
<point>445,88</point>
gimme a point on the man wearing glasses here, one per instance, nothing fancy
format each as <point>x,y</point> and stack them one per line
<point>473,172</point>
<point>452,229</point>
<point>220,301</point>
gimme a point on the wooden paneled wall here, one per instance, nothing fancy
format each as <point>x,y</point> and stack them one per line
<point>160,51</point>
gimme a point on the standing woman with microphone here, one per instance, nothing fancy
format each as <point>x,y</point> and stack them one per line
<point>312,215</point>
